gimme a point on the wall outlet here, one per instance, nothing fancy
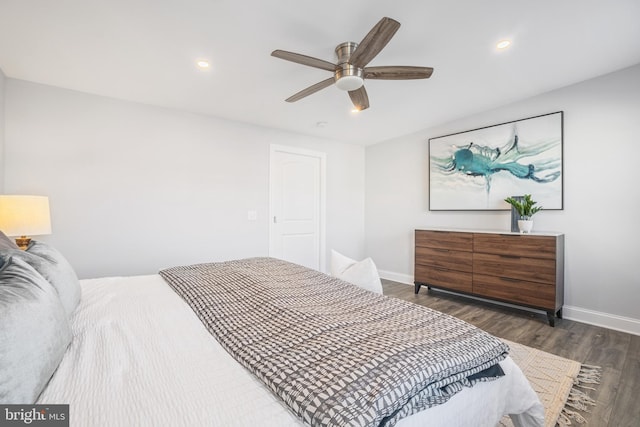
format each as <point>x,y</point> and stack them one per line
<point>252,215</point>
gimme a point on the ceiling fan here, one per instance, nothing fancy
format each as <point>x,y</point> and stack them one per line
<point>350,71</point>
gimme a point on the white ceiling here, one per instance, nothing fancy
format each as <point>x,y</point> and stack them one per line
<point>144,51</point>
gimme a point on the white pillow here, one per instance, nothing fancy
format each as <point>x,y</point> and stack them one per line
<point>363,274</point>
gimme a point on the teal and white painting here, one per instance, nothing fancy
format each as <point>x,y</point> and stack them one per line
<point>478,169</point>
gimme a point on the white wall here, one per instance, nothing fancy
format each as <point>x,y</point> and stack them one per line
<point>2,85</point>
<point>134,188</point>
<point>601,196</point>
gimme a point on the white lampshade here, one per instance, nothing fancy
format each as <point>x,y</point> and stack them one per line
<point>24,215</point>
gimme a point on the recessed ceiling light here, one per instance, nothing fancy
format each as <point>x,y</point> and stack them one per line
<point>503,44</point>
<point>202,63</point>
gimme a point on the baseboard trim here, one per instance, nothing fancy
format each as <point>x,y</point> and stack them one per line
<point>407,279</point>
<point>577,314</point>
<point>598,318</point>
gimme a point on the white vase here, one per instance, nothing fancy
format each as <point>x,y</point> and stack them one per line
<point>525,225</point>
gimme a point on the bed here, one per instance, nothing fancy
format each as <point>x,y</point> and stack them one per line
<point>140,355</point>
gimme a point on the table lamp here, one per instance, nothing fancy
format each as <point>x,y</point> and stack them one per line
<point>24,216</point>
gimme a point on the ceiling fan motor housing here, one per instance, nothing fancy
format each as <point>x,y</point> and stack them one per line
<point>347,76</point>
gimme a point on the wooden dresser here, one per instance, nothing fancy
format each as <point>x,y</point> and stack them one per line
<point>522,269</point>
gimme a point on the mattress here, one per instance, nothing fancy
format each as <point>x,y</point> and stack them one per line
<point>141,357</point>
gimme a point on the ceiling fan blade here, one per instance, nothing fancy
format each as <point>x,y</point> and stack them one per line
<point>397,73</point>
<point>359,98</point>
<point>311,90</point>
<point>304,60</point>
<point>374,42</point>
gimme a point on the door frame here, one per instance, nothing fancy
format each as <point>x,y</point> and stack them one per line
<point>274,148</point>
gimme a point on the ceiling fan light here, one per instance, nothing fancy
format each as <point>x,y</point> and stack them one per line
<point>349,83</point>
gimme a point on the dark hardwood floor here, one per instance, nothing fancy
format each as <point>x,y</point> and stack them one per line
<point>617,396</point>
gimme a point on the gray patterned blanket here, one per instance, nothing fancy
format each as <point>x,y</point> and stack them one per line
<point>335,354</point>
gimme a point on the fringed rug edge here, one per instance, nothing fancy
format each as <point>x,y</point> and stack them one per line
<point>578,399</point>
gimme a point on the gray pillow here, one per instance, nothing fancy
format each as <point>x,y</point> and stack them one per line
<point>7,243</point>
<point>34,332</point>
<point>56,269</point>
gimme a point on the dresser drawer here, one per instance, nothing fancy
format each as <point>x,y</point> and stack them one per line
<point>445,258</point>
<point>516,245</point>
<point>440,277</point>
<point>445,240</point>
<point>523,268</point>
<point>517,291</point>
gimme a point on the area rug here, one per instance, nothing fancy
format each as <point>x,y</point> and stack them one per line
<point>559,382</point>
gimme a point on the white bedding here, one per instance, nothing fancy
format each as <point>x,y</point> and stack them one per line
<point>141,357</point>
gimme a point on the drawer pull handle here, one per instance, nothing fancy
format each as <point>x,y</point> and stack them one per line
<point>441,250</point>
<point>510,256</point>
<point>509,279</point>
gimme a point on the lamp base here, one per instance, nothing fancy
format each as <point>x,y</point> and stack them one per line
<point>23,242</point>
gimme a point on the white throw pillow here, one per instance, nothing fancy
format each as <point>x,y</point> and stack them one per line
<point>363,274</point>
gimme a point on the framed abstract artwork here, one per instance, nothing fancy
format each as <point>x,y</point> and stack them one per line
<point>479,168</point>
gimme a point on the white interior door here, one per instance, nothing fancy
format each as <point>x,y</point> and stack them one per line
<point>297,206</point>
